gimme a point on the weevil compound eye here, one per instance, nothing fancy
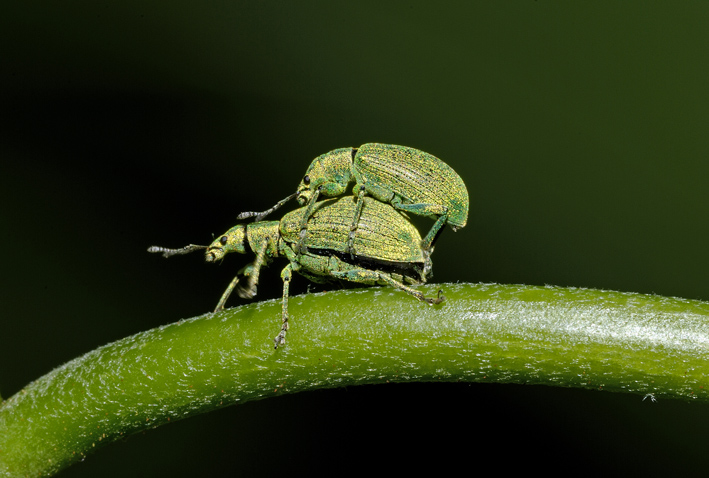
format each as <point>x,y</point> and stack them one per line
<point>223,240</point>
<point>306,180</point>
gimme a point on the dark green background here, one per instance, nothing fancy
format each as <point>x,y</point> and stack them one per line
<point>580,129</point>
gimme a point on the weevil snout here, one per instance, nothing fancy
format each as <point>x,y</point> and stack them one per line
<point>215,250</point>
<point>231,241</point>
<point>213,255</point>
<point>303,195</point>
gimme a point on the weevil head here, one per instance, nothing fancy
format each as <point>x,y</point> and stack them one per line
<point>331,172</point>
<point>234,240</point>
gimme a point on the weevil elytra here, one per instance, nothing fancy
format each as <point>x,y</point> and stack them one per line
<point>388,250</point>
<point>408,179</point>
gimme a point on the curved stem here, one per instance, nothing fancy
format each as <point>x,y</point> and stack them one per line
<point>483,332</point>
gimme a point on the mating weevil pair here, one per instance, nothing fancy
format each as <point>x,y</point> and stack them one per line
<point>357,238</point>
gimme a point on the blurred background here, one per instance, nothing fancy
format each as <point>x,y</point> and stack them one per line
<point>580,129</point>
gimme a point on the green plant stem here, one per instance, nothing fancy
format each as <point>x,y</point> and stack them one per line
<point>483,333</point>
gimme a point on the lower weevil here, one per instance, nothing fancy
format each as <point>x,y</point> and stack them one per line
<point>388,250</point>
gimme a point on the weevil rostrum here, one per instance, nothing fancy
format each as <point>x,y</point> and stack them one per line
<point>388,250</point>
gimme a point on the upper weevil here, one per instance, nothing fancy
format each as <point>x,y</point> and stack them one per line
<point>389,250</point>
<point>408,179</point>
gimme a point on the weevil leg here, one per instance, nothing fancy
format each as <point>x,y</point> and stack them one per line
<point>226,294</point>
<point>286,276</point>
<point>300,246</point>
<point>416,293</point>
<point>430,239</point>
<point>249,292</point>
<point>368,276</point>
<point>260,215</point>
<point>427,272</point>
<point>355,221</point>
<point>246,271</point>
<point>427,210</point>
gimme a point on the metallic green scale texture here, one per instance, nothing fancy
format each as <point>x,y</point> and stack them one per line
<point>387,246</point>
<point>408,179</point>
<point>382,232</point>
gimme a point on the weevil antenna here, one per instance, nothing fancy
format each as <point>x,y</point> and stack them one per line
<point>175,252</point>
<point>260,215</point>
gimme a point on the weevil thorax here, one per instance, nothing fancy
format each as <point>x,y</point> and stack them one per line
<point>234,240</point>
<point>264,231</point>
<point>332,171</point>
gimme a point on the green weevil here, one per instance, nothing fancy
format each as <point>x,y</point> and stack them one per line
<point>388,245</point>
<point>408,179</point>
